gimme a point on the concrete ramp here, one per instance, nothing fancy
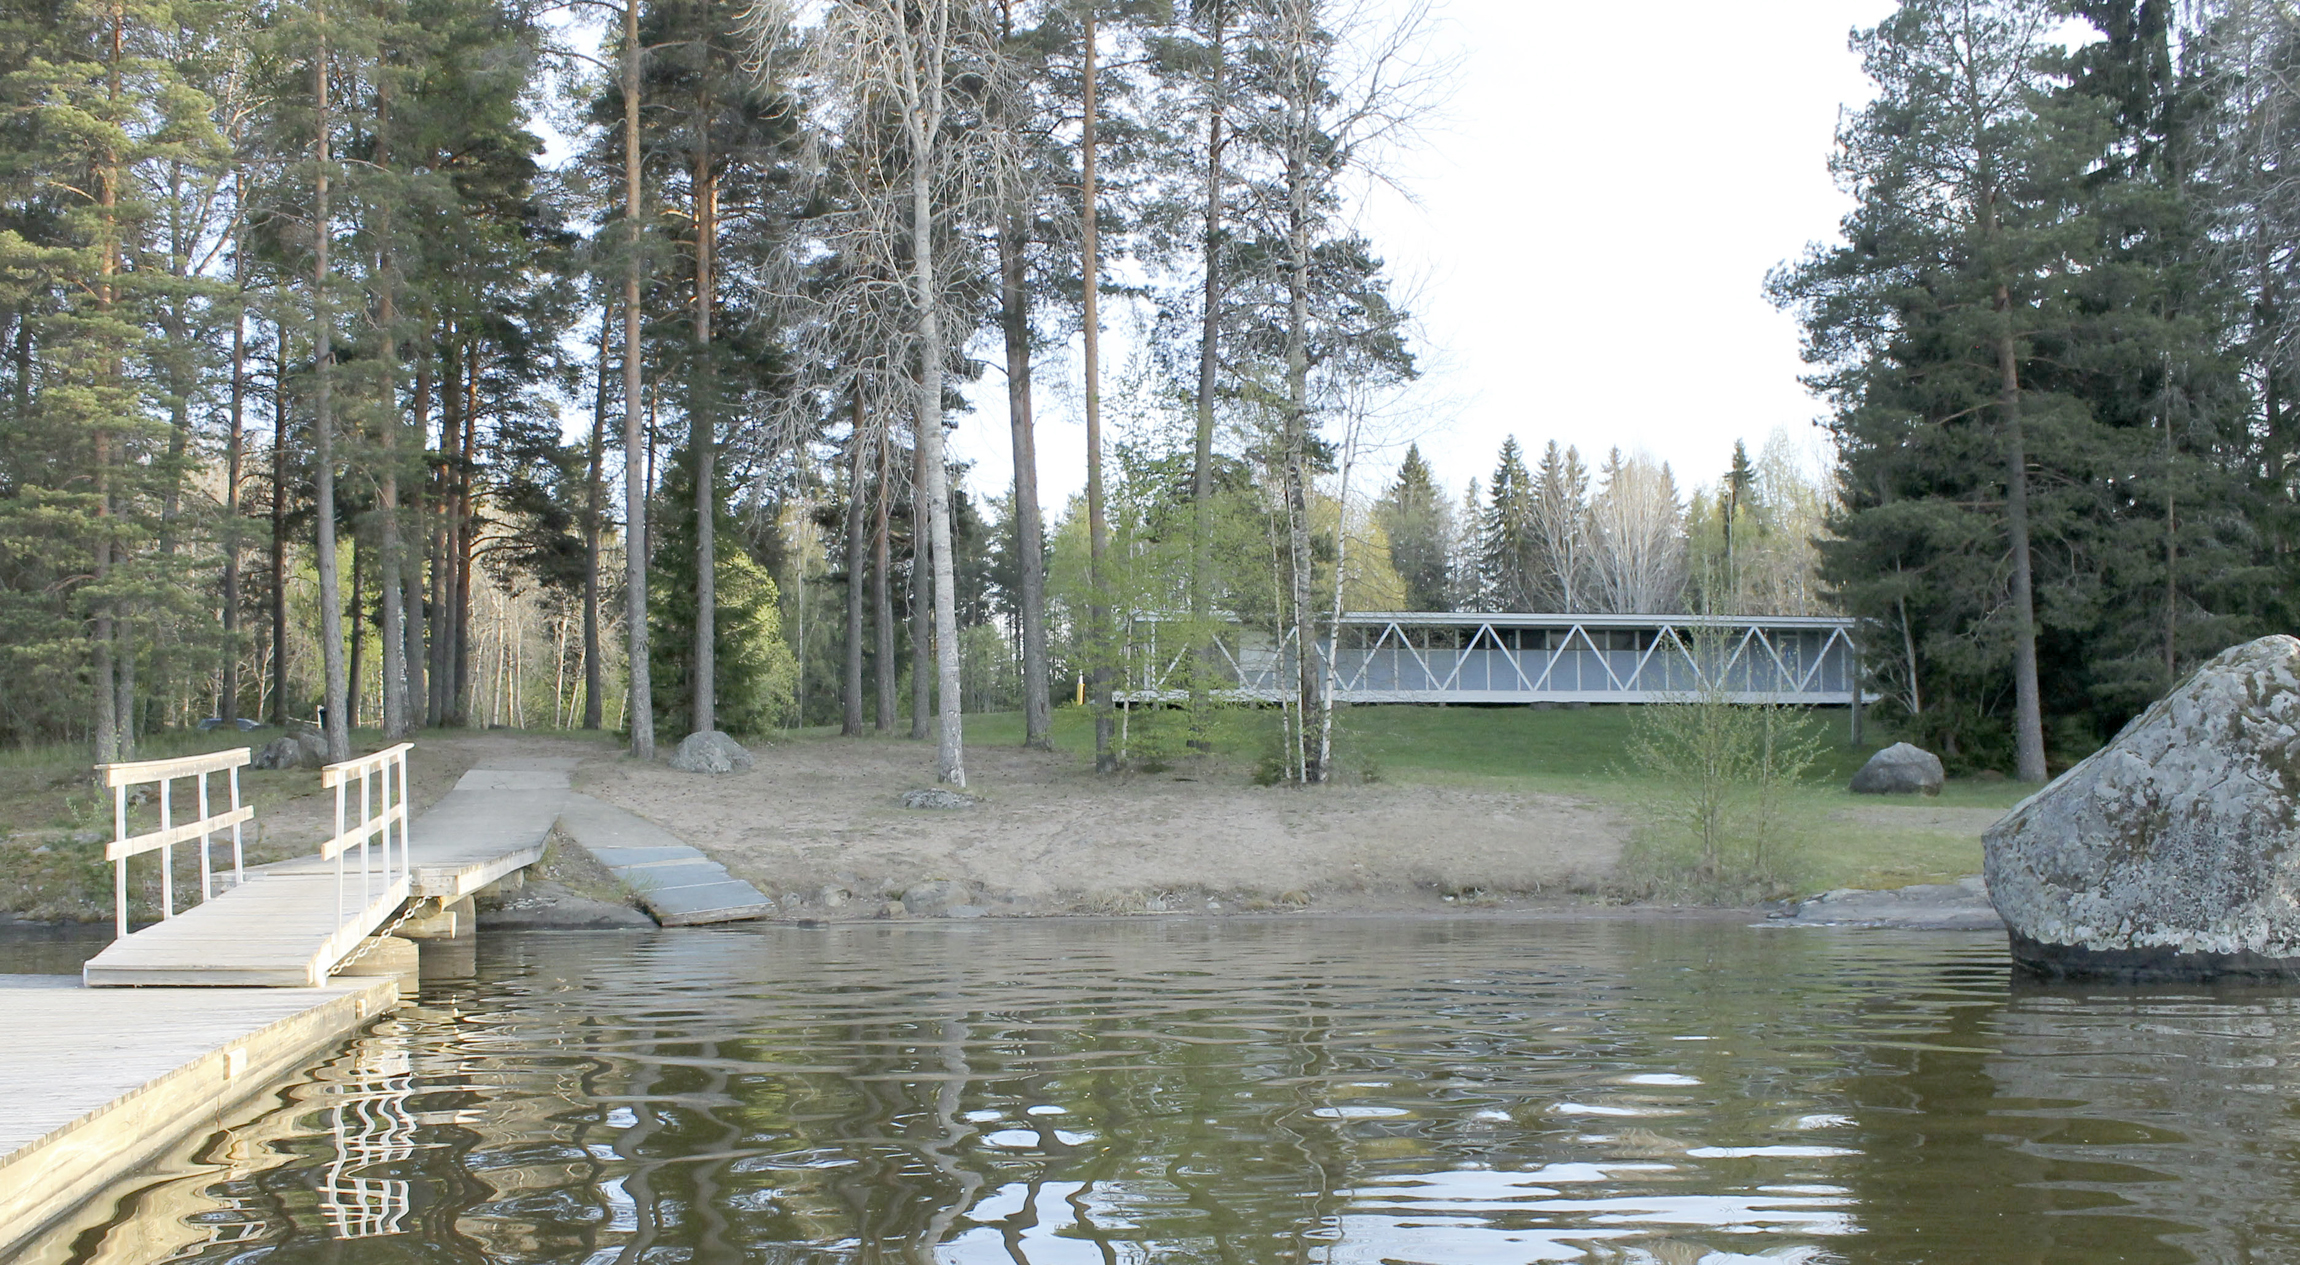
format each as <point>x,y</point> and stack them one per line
<point>674,880</point>
<point>493,822</point>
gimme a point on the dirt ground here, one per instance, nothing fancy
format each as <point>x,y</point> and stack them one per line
<point>819,823</point>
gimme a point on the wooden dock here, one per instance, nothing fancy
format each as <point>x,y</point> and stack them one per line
<point>97,1082</point>
<point>289,924</point>
<point>277,930</point>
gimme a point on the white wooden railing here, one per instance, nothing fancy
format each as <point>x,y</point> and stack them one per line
<point>165,773</point>
<point>377,813</point>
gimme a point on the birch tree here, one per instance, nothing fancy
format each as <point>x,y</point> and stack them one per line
<point>905,62</point>
<point>1637,537</point>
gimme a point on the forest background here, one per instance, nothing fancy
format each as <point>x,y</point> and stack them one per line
<point>295,318</point>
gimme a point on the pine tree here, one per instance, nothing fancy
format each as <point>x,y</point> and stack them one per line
<point>1932,325</point>
<point>756,673</point>
<point>1506,535</point>
<point>1417,519</point>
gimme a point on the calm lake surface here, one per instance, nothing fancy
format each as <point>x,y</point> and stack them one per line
<point>1378,1090</point>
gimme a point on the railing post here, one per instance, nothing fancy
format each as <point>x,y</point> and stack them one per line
<point>339,854</point>
<point>366,823</point>
<point>239,869</point>
<point>167,855</point>
<point>120,866</point>
<point>406,855</point>
<point>206,835</point>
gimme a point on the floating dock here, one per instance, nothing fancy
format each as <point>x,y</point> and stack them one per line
<point>290,923</point>
<point>98,1082</point>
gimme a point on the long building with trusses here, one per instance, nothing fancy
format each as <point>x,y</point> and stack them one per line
<point>1507,657</point>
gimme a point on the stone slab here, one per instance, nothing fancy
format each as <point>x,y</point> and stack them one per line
<point>618,858</point>
<point>646,879</point>
<point>730,900</point>
<point>596,824</point>
<point>513,780</point>
<point>1959,906</point>
<point>98,1081</point>
<point>678,884</point>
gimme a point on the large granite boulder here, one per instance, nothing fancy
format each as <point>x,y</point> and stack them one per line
<point>296,749</point>
<point>1900,769</point>
<point>710,752</point>
<point>2174,851</point>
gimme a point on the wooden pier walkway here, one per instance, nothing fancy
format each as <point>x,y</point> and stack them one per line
<point>97,1082</point>
<point>290,924</point>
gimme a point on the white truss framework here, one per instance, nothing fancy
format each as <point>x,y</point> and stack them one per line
<point>1508,657</point>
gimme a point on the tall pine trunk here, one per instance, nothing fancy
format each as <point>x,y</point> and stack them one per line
<point>393,633</point>
<point>2028,720</point>
<point>882,589</point>
<point>279,708</point>
<point>850,691</point>
<point>235,441</point>
<point>1029,531</point>
<point>1097,521</point>
<point>702,437</point>
<point>464,542</point>
<point>101,668</point>
<point>594,508</point>
<point>323,440</point>
<point>1209,348</point>
<point>414,619</point>
<point>635,473</point>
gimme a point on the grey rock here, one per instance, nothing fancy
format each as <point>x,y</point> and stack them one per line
<point>936,797</point>
<point>1900,769</point>
<point>892,909</point>
<point>301,749</point>
<point>934,896</point>
<point>2174,851</point>
<point>833,897</point>
<point>543,905</point>
<point>1958,906</point>
<point>712,752</point>
<point>964,911</point>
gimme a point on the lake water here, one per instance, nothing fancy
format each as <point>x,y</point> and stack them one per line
<point>1360,1091</point>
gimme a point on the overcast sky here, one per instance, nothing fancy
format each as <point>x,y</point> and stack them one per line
<point>1597,209</point>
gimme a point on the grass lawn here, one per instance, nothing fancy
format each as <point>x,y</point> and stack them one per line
<point>1841,839</point>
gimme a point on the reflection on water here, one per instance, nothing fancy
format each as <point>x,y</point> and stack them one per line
<point>1309,1091</point>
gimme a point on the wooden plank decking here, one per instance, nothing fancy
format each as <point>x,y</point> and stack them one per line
<point>275,930</point>
<point>279,929</point>
<point>97,1082</point>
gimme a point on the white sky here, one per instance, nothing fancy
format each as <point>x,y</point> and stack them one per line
<point>1594,211</point>
<point>1598,207</point>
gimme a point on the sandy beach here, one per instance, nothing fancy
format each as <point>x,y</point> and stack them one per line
<point>820,824</point>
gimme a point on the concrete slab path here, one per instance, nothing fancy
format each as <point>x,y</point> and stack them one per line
<point>679,885</point>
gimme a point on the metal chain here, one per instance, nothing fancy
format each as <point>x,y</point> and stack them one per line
<point>367,945</point>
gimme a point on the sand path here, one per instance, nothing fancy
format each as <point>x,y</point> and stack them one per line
<point>820,820</point>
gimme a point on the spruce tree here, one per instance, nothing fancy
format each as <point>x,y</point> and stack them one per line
<point>1416,517</point>
<point>1505,535</point>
